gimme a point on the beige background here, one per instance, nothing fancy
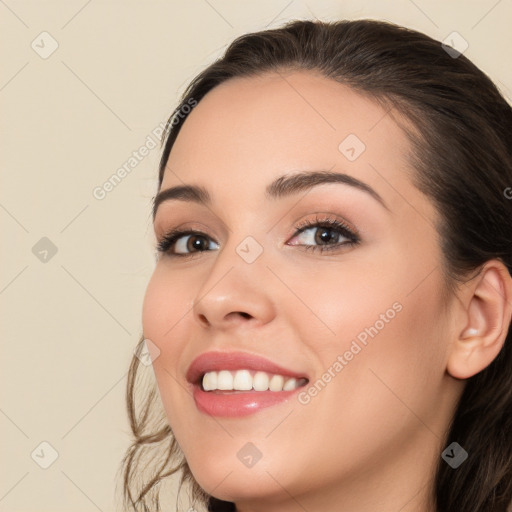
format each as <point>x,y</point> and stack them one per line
<point>68,122</point>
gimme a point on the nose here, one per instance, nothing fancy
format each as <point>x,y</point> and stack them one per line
<point>234,293</point>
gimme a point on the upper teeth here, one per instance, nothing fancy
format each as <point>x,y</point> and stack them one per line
<point>244,380</point>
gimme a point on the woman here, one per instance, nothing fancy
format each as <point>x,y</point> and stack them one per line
<point>329,316</point>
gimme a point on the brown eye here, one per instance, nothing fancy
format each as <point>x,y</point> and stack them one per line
<point>196,242</point>
<point>322,235</point>
<point>183,243</point>
<point>190,243</point>
<point>325,235</point>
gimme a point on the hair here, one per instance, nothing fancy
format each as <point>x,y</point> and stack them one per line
<point>461,158</point>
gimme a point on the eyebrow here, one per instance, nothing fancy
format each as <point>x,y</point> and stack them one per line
<point>283,186</point>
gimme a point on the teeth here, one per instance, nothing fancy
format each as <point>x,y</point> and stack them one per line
<point>244,380</point>
<point>290,384</point>
<point>224,380</point>
<point>260,381</point>
<point>210,381</point>
<point>276,383</point>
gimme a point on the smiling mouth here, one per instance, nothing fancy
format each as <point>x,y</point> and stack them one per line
<point>244,380</point>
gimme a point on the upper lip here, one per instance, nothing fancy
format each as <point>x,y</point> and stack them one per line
<point>215,361</point>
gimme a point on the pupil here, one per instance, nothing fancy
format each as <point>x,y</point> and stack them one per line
<point>326,235</point>
<point>196,242</point>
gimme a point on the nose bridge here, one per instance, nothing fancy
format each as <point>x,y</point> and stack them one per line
<point>236,283</point>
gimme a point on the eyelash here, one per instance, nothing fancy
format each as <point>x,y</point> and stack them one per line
<point>168,240</point>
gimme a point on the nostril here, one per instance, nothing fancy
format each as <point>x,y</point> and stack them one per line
<point>203,319</point>
<point>245,315</point>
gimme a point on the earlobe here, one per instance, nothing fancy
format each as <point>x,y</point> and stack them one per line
<point>488,311</point>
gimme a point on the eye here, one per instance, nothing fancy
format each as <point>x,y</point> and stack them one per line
<point>318,235</point>
<point>183,243</point>
<point>328,234</point>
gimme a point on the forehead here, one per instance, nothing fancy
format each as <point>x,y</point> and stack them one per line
<point>249,130</point>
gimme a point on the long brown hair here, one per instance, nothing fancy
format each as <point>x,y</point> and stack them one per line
<point>462,160</point>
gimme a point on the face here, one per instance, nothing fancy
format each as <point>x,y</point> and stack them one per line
<point>334,282</point>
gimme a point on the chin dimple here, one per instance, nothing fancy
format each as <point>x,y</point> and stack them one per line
<point>245,380</point>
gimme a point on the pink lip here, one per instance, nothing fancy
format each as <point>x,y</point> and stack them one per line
<point>233,403</point>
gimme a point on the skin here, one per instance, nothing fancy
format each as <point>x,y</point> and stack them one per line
<point>370,440</point>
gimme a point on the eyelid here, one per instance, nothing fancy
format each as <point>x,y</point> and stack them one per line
<point>327,219</point>
<point>161,230</point>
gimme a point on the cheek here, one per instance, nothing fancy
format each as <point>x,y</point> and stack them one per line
<point>165,303</point>
<point>388,299</point>
<point>390,374</point>
<point>153,306</point>
<point>380,334</point>
<point>164,321</point>
<point>353,300</point>
<point>394,357</point>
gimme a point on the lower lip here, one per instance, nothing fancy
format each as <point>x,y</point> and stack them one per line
<point>232,404</point>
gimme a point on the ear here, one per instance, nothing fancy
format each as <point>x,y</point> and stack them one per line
<point>487,303</point>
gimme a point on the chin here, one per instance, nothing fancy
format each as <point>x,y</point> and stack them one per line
<point>228,479</point>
